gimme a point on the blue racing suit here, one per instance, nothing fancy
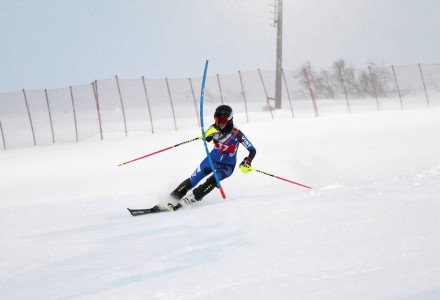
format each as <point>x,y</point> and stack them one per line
<point>224,154</point>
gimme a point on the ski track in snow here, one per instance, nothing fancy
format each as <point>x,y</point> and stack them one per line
<point>369,228</point>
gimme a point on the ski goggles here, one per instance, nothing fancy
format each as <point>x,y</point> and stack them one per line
<point>222,120</point>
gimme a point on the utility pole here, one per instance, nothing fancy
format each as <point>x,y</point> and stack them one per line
<point>278,23</point>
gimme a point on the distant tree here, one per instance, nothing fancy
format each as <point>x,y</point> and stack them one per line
<point>328,84</point>
<point>365,84</point>
<point>299,75</point>
<point>381,78</point>
<point>347,74</point>
<point>318,84</point>
<point>322,82</point>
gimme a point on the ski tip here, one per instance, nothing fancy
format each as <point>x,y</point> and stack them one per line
<point>171,207</point>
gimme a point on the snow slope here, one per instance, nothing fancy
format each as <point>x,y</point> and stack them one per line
<point>369,228</point>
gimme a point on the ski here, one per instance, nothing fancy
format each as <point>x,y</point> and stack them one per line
<point>154,209</point>
<point>144,211</point>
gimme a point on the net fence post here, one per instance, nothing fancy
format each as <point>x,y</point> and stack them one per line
<point>287,90</point>
<point>244,96</point>
<point>74,113</point>
<point>344,87</point>
<point>220,89</point>
<point>148,104</point>
<point>397,85</point>
<point>30,118</point>
<point>424,85</point>
<point>122,105</point>
<point>3,136</point>
<point>373,84</point>
<point>50,115</point>
<point>265,92</point>
<point>312,95</point>
<point>195,103</point>
<point>95,92</point>
<point>171,102</point>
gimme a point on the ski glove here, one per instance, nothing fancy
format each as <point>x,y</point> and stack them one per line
<point>209,134</point>
<point>245,165</point>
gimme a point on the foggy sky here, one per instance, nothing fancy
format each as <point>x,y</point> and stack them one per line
<point>57,43</point>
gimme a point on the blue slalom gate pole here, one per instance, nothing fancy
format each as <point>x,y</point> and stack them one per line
<point>203,132</point>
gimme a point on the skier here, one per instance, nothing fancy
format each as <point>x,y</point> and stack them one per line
<point>224,157</point>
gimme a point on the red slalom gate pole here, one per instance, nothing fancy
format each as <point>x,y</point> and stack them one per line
<point>277,177</point>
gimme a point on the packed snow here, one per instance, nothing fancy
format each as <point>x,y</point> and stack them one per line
<point>368,229</point>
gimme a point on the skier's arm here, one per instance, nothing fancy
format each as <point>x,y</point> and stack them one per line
<point>248,145</point>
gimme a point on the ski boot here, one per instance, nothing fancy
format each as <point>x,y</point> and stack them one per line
<point>187,201</point>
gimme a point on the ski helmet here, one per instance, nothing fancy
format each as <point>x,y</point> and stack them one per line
<point>223,115</point>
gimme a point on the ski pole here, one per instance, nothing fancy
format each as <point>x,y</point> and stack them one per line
<point>277,177</point>
<point>208,132</point>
